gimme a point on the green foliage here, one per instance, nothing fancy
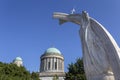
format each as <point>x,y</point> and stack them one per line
<point>55,77</point>
<point>76,71</point>
<point>35,76</point>
<point>13,72</point>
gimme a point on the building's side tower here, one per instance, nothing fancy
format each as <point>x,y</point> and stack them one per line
<point>18,61</point>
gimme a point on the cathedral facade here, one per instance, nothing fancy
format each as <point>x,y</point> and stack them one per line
<point>52,65</point>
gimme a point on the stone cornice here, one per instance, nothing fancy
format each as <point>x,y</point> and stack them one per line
<point>52,55</point>
<point>51,74</point>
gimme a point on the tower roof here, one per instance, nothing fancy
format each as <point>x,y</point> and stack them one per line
<point>52,51</point>
<point>18,59</point>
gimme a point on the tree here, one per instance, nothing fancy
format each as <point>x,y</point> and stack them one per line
<point>13,72</point>
<point>76,71</point>
<point>35,76</point>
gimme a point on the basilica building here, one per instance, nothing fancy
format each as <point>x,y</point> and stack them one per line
<point>52,65</point>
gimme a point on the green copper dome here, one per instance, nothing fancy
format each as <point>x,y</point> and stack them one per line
<point>52,51</point>
<point>18,59</point>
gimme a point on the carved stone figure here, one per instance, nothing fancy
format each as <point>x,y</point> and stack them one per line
<point>100,51</point>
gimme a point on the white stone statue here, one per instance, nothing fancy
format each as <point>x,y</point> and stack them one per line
<point>101,55</point>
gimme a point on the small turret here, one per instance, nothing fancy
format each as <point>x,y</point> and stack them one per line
<point>18,61</point>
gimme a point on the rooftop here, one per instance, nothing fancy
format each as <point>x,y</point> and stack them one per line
<point>52,51</point>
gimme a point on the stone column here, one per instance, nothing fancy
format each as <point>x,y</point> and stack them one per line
<point>57,63</point>
<point>60,64</point>
<point>63,65</point>
<point>41,66</point>
<point>53,63</point>
<point>44,64</point>
<point>47,63</point>
<point>50,63</point>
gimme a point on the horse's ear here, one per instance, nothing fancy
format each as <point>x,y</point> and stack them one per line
<point>85,16</point>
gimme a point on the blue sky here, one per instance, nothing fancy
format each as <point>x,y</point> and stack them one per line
<point>27,28</point>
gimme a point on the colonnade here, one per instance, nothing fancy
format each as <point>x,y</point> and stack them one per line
<point>49,64</point>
